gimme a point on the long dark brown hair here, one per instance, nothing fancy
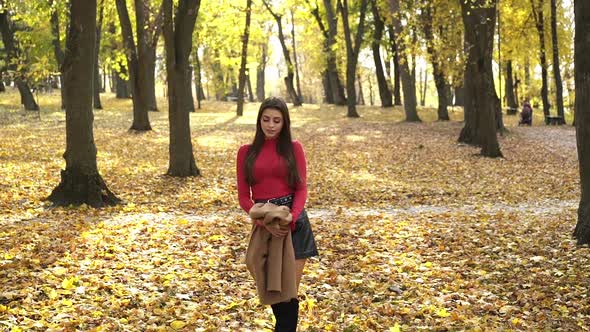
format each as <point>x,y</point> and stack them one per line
<point>284,143</point>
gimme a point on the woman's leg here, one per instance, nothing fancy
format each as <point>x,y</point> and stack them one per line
<point>299,265</point>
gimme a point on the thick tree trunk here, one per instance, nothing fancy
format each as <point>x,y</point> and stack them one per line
<point>295,98</point>
<point>352,52</point>
<point>244,60</point>
<point>80,181</point>
<point>556,70</point>
<point>178,43</point>
<point>384,93</point>
<point>96,93</point>
<point>408,83</point>
<point>540,24</point>
<point>397,95</point>
<point>336,85</point>
<point>582,115</point>
<point>480,99</point>
<point>12,55</point>
<point>509,87</point>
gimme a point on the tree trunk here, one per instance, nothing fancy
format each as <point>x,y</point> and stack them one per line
<point>190,103</point>
<point>80,181</point>
<point>122,85</point>
<point>509,87</point>
<point>249,86</point>
<point>295,61</point>
<point>352,53</point>
<point>295,98</point>
<point>2,87</point>
<point>333,88</point>
<point>397,95</point>
<point>556,70</point>
<point>460,95</point>
<point>178,43</point>
<point>12,55</point>
<point>361,98</point>
<point>331,61</point>
<point>582,115</point>
<point>140,59</point>
<point>198,81</point>
<point>260,72</point>
<point>442,87</point>
<point>96,75</point>
<point>57,51</point>
<point>408,83</point>
<point>384,93</point>
<point>424,88</point>
<point>244,60</point>
<point>540,24</point>
<point>480,100</point>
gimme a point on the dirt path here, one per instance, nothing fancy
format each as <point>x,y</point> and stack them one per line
<point>560,139</point>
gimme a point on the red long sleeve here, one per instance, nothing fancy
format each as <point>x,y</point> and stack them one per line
<point>270,172</point>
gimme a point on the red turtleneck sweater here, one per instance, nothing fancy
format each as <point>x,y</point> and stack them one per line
<point>270,172</point>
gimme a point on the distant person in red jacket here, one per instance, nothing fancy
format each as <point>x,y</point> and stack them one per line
<point>273,169</point>
<point>526,115</point>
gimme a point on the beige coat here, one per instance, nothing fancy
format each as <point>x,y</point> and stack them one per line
<point>270,259</point>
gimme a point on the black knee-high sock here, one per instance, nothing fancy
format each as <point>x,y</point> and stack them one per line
<point>286,315</point>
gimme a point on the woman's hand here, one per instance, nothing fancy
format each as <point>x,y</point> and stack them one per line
<point>278,231</point>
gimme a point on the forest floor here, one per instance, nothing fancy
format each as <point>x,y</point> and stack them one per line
<point>415,231</point>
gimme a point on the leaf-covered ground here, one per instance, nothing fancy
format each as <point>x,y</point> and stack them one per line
<point>416,232</point>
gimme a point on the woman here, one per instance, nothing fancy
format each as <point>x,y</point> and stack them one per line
<point>273,169</point>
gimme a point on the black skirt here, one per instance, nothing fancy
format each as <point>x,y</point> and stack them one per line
<point>303,240</point>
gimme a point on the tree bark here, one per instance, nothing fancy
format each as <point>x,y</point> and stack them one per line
<point>384,93</point>
<point>582,115</point>
<point>80,181</point>
<point>260,72</point>
<point>480,99</point>
<point>540,25</point>
<point>424,88</point>
<point>442,88</point>
<point>141,60</point>
<point>295,98</point>
<point>295,61</point>
<point>556,70</point>
<point>12,55</point>
<point>249,86</point>
<point>361,96</point>
<point>244,60</point>
<point>397,95</point>
<point>198,81</point>
<point>352,52</point>
<point>96,93</point>
<point>408,83</point>
<point>178,43</point>
<point>509,87</point>
<point>57,50</point>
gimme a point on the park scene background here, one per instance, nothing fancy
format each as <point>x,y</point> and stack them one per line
<point>418,229</point>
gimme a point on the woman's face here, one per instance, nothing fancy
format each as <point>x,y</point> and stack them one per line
<point>271,122</point>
